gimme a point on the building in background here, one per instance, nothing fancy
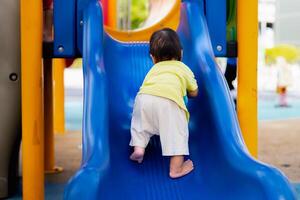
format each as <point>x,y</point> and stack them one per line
<point>267,20</point>
<point>278,24</point>
<point>287,29</point>
<point>281,16</point>
<point>266,17</point>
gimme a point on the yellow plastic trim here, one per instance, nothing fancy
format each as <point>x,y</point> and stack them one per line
<point>112,13</point>
<point>171,20</point>
<point>32,99</point>
<point>247,71</point>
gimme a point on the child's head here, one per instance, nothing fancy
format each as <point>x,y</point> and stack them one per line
<point>165,45</point>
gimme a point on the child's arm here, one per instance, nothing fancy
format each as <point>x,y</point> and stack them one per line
<point>192,86</point>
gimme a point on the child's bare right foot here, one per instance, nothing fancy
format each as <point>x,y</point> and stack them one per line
<point>138,154</point>
<point>186,168</point>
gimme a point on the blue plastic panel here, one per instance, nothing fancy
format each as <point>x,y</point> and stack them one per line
<point>216,21</point>
<point>81,4</point>
<point>64,28</point>
<point>113,73</point>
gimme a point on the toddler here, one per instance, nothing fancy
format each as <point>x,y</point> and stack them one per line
<point>284,80</point>
<point>160,104</point>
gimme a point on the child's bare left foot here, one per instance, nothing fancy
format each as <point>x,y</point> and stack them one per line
<point>138,154</point>
<point>186,168</point>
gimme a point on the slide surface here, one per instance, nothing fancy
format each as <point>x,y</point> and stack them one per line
<point>113,73</point>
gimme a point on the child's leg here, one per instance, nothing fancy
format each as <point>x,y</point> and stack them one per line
<point>179,167</point>
<point>174,135</point>
<point>284,98</point>
<point>138,154</point>
<point>139,140</point>
<point>141,127</point>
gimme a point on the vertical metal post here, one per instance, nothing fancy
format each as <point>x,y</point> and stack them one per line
<point>247,30</point>
<point>58,95</point>
<point>49,152</point>
<point>31,17</point>
<point>48,109</point>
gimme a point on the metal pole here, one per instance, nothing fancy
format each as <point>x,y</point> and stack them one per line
<point>247,29</point>
<point>59,95</point>
<point>31,17</point>
<point>49,152</point>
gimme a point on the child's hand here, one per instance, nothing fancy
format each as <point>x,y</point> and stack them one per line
<point>192,94</point>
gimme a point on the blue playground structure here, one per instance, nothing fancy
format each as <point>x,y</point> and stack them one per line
<point>113,73</point>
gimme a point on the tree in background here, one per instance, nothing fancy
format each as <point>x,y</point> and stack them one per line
<point>132,13</point>
<point>124,15</point>
<point>139,12</point>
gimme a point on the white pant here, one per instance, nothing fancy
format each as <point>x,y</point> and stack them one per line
<point>153,115</point>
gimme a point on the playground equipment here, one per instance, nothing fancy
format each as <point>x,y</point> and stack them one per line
<point>158,11</point>
<point>115,64</point>
<point>113,72</point>
<point>25,27</point>
<point>10,96</point>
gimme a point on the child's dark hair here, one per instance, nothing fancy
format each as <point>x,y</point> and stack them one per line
<point>165,45</point>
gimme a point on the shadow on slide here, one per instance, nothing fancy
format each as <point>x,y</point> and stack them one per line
<point>113,73</point>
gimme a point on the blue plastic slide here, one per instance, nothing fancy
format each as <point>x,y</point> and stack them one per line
<point>113,73</point>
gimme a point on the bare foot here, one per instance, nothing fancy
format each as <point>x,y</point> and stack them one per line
<point>186,168</point>
<point>138,154</point>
